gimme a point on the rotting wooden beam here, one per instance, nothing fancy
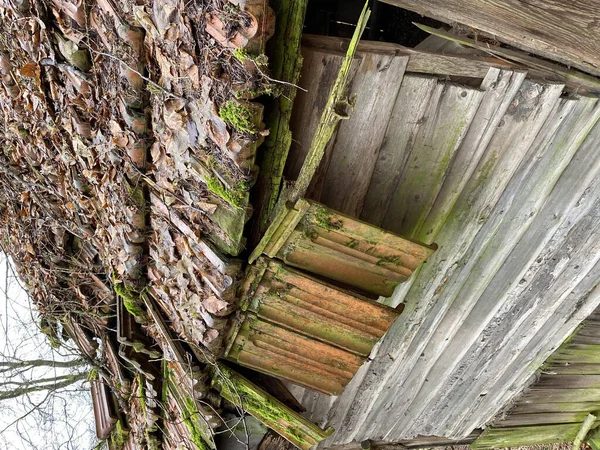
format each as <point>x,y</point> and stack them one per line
<point>268,410</point>
<point>285,63</point>
<point>574,80</point>
<point>560,30</point>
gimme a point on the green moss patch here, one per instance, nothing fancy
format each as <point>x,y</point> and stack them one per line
<point>239,116</point>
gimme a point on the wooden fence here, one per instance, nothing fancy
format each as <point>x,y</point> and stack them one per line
<point>554,408</point>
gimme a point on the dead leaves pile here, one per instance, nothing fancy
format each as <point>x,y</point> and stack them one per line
<point>117,163</point>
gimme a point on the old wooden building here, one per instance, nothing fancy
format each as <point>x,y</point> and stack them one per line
<point>353,242</point>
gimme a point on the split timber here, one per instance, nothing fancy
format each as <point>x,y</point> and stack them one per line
<point>502,172</point>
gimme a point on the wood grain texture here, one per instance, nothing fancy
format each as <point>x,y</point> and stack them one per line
<point>534,435</point>
<point>510,233</point>
<point>319,71</point>
<point>426,302</point>
<point>477,299</point>
<point>561,274</point>
<point>359,138</point>
<point>445,122</point>
<point>561,30</point>
<point>408,115</point>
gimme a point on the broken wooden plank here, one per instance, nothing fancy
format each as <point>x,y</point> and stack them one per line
<point>562,31</point>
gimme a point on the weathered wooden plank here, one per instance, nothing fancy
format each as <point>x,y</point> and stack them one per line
<point>578,303</point>
<point>359,138</point>
<point>407,117</point>
<point>560,30</point>
<point>523,436</point>
<point>336,109</point>
<point>578,353</point>
<point>537,407</point>
<point>446,121</point>
<point>574,369</point>
<point>501,87</point>
<point>545,418</point>
<point>424,305</point>
<point>506,235</point>
<point>566,382</point>
<point>317,78</point>
<point>420,61</point>
<point>563,395</point>
<point>574,80</point>
<point>516,210</point>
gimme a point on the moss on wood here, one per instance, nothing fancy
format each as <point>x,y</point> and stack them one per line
<point>267,409</point>
<point>239,116</point>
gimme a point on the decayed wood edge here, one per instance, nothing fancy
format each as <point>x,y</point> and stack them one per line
<point>574,80</point>
<point>420,61</point>
<point>335,110</point>
<point>285,64</point>
<point>526,35</point>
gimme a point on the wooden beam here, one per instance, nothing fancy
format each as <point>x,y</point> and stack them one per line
<point>562,30</point>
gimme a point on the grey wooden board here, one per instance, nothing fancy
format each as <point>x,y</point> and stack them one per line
<point>572,369</point>
<point>515,214</point>
<point>545,418</point>
<point>425,304</point>
<point>359,138</point>
<point>566,288</point>
<point>537,407</point>
<point>460,238</point>
<point>318,75</point>
<point>567,382</point>
<point>446,121</point>
<point>407,116</point>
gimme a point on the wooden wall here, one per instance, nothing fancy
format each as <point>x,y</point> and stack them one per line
<point>503,173</point>
<point>554,408</point>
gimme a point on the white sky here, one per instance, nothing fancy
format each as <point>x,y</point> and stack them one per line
<point>66,420</point>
